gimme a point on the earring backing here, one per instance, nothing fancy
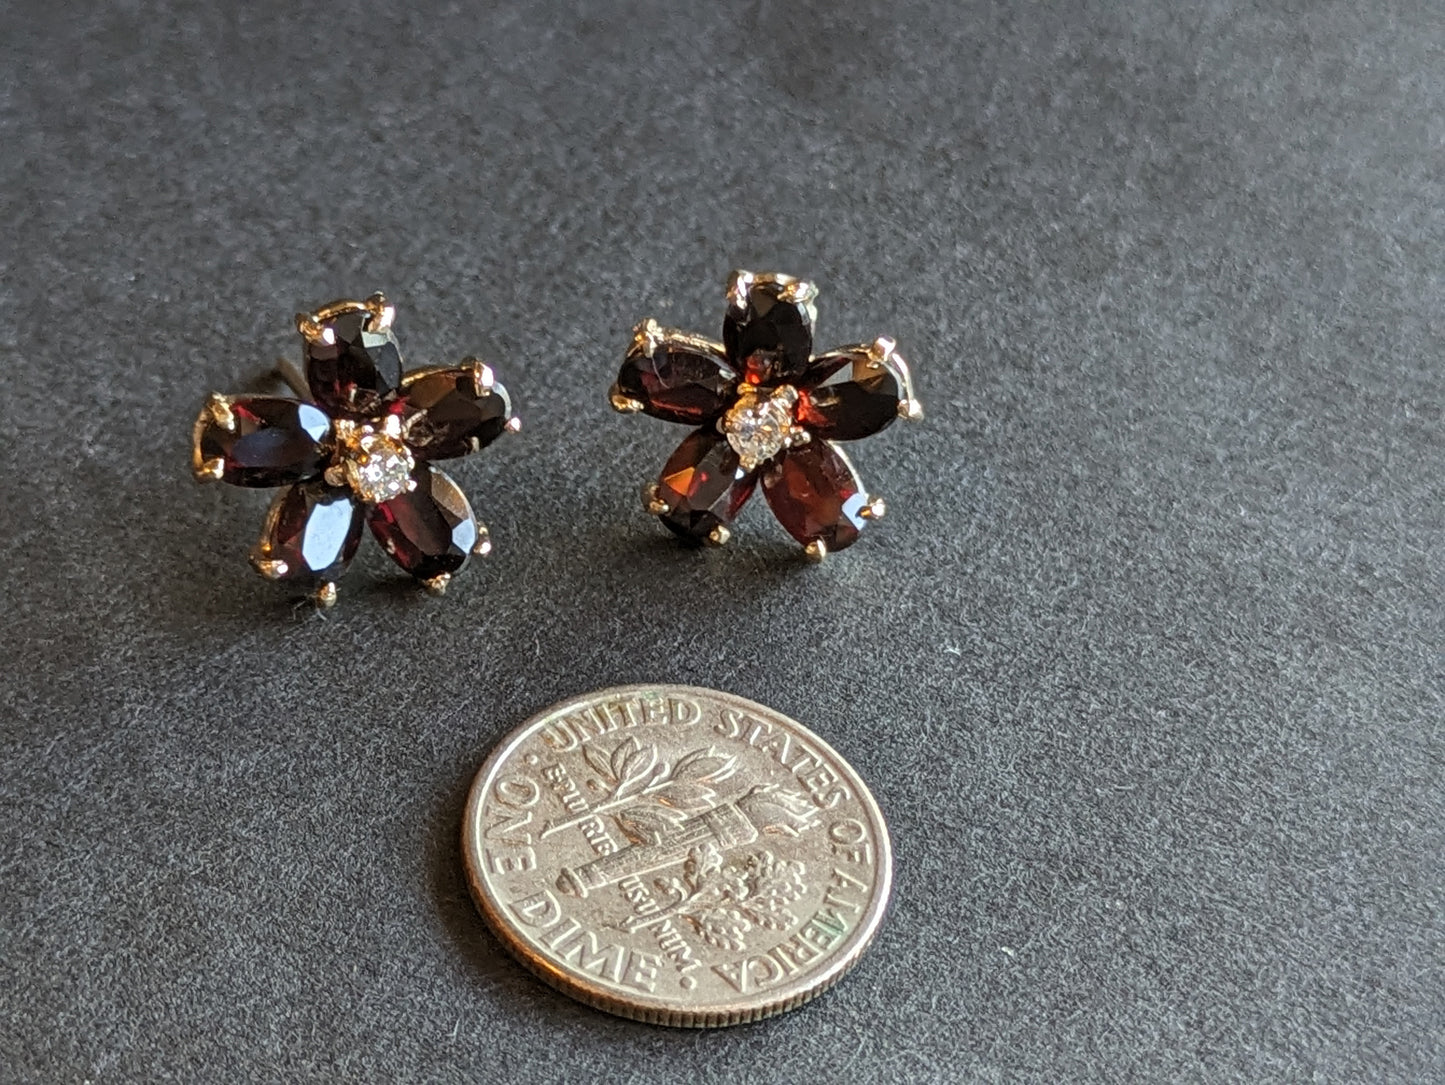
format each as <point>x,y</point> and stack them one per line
<point>357,446</point>
<point>766,409</point>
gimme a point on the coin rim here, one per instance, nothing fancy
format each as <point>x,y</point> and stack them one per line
<point>657,1011</point>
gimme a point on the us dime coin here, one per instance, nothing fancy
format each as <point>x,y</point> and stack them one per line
<point>676,855</point>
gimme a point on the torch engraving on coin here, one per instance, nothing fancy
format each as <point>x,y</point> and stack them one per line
<point>676,855</point>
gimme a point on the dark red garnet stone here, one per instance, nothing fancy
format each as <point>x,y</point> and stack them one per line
<point>703,485</point>
<point>273,441</point>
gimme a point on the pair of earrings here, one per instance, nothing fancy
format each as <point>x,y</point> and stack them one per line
<point>359,447</point>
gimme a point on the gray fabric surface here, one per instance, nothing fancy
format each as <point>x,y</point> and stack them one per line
<point>1145,665</point>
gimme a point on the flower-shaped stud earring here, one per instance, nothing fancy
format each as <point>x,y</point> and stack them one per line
<point>357,447</point>
<point>766,409</point>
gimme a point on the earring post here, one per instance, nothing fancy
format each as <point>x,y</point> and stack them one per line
<point>291,373</point>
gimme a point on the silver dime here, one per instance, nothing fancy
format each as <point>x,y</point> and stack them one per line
<point>676,855</point>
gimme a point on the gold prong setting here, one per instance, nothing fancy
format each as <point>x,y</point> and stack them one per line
<point>219,407</point>
<point>759,426</point>
<point>313,330</point>
<point>621,403</point>
<point>269,567</point>
<point>373,462</point>
<point>796,291</point>
<point>212,470</point>
<point>438,584</point>
<point>653,502</point>
<point>816,551</point>
<point>740,285</point>
<point>647,337</point>
<point>483,379</point>
<point>482,547</point>
<point>380,313</point>
<point>217,411</point>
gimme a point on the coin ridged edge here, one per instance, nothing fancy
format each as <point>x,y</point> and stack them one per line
<point>555,978</point>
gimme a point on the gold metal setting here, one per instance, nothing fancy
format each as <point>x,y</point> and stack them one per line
<point>438,584</point>
<point>882,348</point>
<point>740,284</point>
<point>356,445</point>
<point>270,568</point>
<point>719,536</point>
<point>483,546</point>
<point>646,338</point>
<point>623,404</point>
<point>760,427</point>
<point>325,595</point>
<point>217,411</point>
<point>314,326</point>
<point>788,288</point>
<point>209,470</point>
<point>816,550</point>
<point>653,503</point>
<point>382,314</point>
<point>483,379</point>
<point>797,291</point>
<point>312,330</point>
<point>219,407</point>
<point>876,509</point>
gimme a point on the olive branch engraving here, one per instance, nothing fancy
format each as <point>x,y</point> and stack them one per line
<point>723,901</point>
<point>634,771</point>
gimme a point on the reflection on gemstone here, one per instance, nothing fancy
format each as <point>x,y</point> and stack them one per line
<point>429,531</point>
<point>856,398</point>
<point>354,375</point>
<point>447,415</point>
<point>311,534</point>
<point>270,441</point>
<point>703,485</point>
<point>817,496</point>
<point>677,384</point>
<point>772,339</point>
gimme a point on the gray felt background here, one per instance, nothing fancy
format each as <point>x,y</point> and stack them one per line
<point>1144,666</point>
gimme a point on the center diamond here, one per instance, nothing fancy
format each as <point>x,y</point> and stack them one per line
<point>758,429</point>
<point>376,466</point>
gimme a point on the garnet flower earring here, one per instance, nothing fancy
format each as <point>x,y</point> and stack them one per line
<point>357,447</point>
<point>766,409</point>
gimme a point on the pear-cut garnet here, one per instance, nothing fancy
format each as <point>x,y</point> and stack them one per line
<point>816,495</point>
<point>311,534</point>
<point>770,340</point>
<point>703,485</point>
<point>677,383</point>
<point>357,373</point>
<point>856,396</point>
<point>270,441</point>
<point>447,414</point>
<point>429,531</point>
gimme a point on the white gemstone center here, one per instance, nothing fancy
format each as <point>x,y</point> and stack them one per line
<point>758,428</point>
<point>377,466</point>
